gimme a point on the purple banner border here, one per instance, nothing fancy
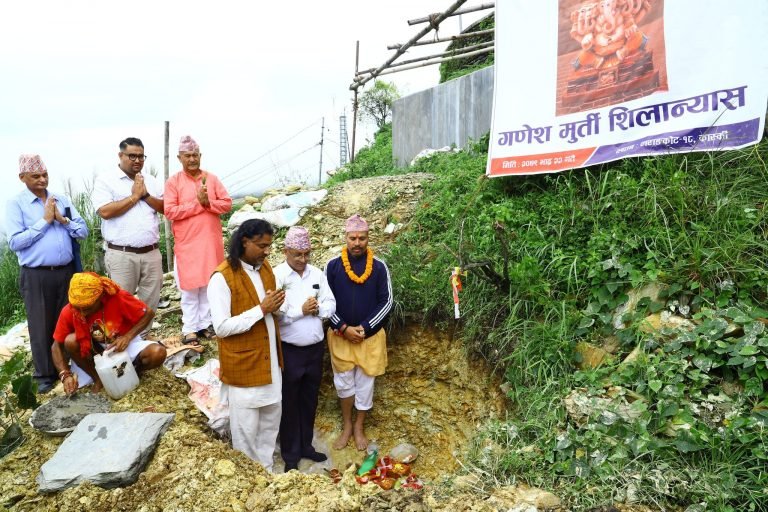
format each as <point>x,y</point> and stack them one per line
<point>710,138</point>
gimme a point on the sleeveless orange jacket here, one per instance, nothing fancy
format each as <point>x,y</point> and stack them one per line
<point>245,358</point>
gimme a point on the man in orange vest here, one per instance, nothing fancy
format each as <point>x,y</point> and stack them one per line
<point>243,299</point>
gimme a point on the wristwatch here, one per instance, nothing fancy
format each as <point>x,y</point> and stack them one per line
<point>145,196</point>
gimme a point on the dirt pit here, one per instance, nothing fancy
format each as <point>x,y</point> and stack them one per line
<point>431,397</point>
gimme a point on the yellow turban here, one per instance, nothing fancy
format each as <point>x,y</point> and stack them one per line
<point>85,288</point>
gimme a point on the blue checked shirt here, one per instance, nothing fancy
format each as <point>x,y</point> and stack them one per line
<point>36,242</point>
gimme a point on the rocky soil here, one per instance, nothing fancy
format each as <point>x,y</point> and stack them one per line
<point>432,396</point>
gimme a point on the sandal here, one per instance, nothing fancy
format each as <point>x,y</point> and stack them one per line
<point>190,339</point>
<point>206,333</point>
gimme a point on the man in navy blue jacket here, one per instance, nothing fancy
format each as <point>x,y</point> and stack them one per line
<point>356,341</point>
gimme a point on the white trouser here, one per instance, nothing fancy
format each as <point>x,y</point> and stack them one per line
<point>195,310</point>
<point>254,431</point>
<point>355,383</point>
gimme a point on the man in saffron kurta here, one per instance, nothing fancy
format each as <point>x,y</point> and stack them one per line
<point>194,200</point>
<point>100,315</point>
<point>357,343</point>
<point>243,297</point>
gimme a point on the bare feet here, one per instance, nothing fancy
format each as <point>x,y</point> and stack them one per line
<point>97,387</point>
<point>361,442</point>
<point>343,439</point>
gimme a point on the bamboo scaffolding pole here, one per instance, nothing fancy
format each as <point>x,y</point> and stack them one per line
<point>434,23</point>
<point>445,39</point>
<point>389,71</point>
<point>428,19</point>
<point>355,105</point>
<point>166,222</point>
<point>449,53</point>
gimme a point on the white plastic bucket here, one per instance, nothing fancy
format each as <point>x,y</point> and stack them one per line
<point>116,372</point>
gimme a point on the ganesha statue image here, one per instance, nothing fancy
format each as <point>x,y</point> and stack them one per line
<point>608,32</point>
<point>609,52</point>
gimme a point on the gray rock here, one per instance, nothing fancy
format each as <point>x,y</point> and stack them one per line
<point>467,482</point>
<point>61,414</point>
<point>108,450</point>
<point>616,402</point>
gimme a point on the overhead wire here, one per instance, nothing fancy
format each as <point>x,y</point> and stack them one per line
<point>261,173</point>
<point>335,161</point>
<point>271,150</point>
<point>253,177</point>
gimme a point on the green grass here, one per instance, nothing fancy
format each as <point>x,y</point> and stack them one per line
<point>373,160</point>
<point>550,259</point>
<point>459,67</point>
<point>11,307</point>
<point>91,253</point>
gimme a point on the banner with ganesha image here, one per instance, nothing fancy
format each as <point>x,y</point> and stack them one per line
<point>582,82</point>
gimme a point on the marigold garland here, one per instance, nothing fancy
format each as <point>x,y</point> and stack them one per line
<point>348,268</point>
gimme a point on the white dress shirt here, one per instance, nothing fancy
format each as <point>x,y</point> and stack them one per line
<point>220,298</point>
<point>297,328</point>
<point>139,226</point>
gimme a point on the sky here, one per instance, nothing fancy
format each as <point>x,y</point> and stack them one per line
<point>243,78</point>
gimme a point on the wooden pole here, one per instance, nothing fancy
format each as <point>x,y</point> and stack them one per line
<point>445,39</point>
<point>428,19</point>
<point>166,222</point>
<point>457,52</point>
<point>414,66</point>
<point>354,105</point>
<point>434,23</point>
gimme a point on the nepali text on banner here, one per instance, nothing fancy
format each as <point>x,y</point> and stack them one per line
<point>579,83</point>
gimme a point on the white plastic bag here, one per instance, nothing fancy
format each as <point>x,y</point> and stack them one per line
<point>205,392</point>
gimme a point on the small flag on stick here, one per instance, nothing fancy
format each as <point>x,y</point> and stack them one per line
<point>456,286</point>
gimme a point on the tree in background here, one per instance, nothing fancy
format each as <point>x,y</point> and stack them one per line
<point>376,104</point>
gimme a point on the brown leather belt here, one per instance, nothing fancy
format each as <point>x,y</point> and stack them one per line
<point>135,250</point>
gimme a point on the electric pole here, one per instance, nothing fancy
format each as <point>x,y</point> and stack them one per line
<point>343,144</point>
<point>166,222</point>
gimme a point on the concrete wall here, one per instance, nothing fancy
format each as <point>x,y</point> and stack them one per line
<point>450,113</point>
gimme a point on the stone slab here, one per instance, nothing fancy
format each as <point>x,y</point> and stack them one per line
<point>108,450</point>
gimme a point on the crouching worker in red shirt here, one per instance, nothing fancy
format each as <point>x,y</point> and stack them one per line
<point>101,315</point>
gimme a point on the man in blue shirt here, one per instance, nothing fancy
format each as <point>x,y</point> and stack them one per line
<point>41,236</point>
<point>356,341</point>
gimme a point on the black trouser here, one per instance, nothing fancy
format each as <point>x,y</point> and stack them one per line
<point>302,371</point>
<point>44,291</point>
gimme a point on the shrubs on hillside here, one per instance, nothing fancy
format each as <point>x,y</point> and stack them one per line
<point>551,259</point>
